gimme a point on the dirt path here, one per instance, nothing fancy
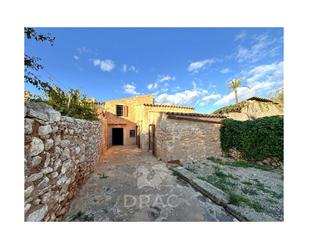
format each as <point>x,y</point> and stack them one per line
<point>130,185</point>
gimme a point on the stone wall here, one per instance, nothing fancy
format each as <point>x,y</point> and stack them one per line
<point>186,140</point>
<point>237,155</point>
<point>60,153</point>
<point>150,114</point>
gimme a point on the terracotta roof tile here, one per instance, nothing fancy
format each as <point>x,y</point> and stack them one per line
<point>203,115</point>
<point>261,99</point>
<point>172,106</point>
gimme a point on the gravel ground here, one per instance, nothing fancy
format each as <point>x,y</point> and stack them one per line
<point>250,189</point>
<point>131,185</point>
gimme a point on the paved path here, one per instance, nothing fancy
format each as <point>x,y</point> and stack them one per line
<point>130,185</point>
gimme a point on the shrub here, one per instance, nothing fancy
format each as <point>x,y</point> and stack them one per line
<point>255,139</point>
<point>72,103</point>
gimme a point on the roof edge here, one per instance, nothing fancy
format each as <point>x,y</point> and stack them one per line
<point>202,115</point>
<point>138,96</point>
<point>173,106</point>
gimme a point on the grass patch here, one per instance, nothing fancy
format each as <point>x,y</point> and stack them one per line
<point>240,164</point>
<point>220,180</point>
<point>216,160</point>
<point>221,183</point>
<point>249,191</point>
<point>247,183</point>
<point>221,174</point>
<point>244,164</point>
<point>202,178</point>
<point>191,170</point>
<point>271,201</point>
<point>262,187</point>
<point>239,200</point>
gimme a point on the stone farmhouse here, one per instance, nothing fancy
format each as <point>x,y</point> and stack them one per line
<point>252,108</point>
<point>61,152</point>
<point>171,133</point>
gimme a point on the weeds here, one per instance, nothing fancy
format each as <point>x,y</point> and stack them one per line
<point>240,164</point>
<point>239,200</point>
<point>221,183</point>
<point>249,191</point>
<point>262,187</point>
<point>247,183</point>
<point>191,170</point>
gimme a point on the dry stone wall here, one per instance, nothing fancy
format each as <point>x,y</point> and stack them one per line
<point>60,153</point>
<point>187,141</point>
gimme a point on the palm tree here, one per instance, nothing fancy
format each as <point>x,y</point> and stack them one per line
<point>234,84</point>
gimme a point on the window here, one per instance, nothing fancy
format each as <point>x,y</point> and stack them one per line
<point>132,133</point>
<point>119,110</point>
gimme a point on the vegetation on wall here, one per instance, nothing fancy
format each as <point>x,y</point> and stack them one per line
<point>231,108</point>
<point>71,103</point>
<point>255,139</point>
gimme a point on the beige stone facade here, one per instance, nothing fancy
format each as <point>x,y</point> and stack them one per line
<point>185,138</point>
<point>170,132</point>
<point>136,119</point>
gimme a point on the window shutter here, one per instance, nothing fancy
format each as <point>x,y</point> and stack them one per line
<point>125,111</point>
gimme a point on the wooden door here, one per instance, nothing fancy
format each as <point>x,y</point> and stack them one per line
<point>152,138</point>
<point>138,136</point>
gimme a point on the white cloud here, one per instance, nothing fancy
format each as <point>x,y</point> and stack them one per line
<point>166,78</point>
<point>210,97</point>
<point>195,96</point>
<point>262,46</point>
<point>75,57</point>
<point>105,65</point>
<point>196,66</point>
<point>161,79</point>
<point>130,88</point>
<point>152,86</point>
<point>272,71</point>
<point>179,98</point>
<point>241,36</point>
<point>225,70</point>
<point>261,80</point>
<point>207,98</point>
<point>245,92</point>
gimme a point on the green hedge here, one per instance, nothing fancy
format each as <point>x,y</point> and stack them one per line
<point>255,139</point>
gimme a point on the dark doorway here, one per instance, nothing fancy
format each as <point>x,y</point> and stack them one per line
<point>117,134</point>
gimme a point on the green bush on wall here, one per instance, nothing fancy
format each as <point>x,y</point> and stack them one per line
<point>72,103</point>
<point>255,139</point>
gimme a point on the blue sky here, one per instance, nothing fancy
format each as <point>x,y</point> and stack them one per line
<point>180,66</point>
